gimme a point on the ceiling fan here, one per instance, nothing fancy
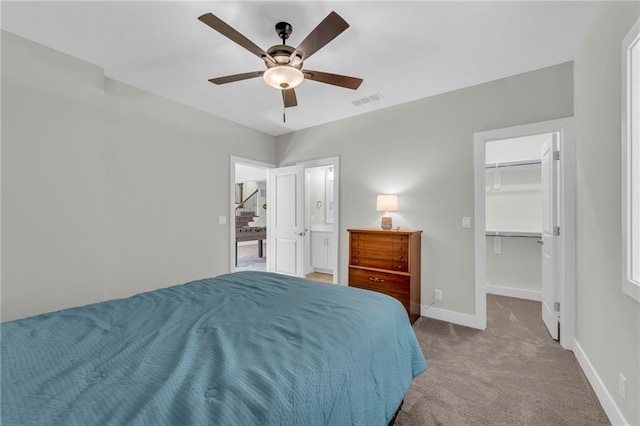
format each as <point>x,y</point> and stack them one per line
<point>284,63</point>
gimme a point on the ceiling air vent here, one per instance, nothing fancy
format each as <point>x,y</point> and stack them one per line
<point>368,99</point>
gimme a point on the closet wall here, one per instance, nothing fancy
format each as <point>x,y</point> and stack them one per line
<point>514,216</point>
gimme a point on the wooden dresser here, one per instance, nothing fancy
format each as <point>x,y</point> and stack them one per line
<point>387,262</point>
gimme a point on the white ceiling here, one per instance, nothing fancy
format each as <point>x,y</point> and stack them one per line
<point>403,50</point>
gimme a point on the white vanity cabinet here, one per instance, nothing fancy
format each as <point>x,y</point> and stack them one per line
<point>321,249</point>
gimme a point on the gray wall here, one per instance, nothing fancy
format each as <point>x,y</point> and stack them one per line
<point>608,321</point>
<point>107,190</point>
<point>423,151</point>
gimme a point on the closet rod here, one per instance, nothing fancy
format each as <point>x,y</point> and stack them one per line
<point>514,234</point>
<point>513,164</point>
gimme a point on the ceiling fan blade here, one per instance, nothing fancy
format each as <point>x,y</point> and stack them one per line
<point>335,79</point>
<point>331,27</point>
<point>289,98</point>
<point>226,30</point>
<point>236,77</point>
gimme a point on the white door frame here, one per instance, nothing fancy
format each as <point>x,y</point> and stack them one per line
<point>231,223</point>
<point>566,244</point>
<point>335,162</point>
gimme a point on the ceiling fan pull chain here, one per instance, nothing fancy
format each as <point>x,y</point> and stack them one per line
<point>284,115</point>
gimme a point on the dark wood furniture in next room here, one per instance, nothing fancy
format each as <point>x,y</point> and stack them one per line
<point>387,261</point>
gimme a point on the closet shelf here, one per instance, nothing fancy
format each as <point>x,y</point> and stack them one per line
<point>517,234</point>
<point>513,164</point>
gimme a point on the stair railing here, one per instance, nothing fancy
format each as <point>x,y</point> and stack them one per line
<point>242,203</point>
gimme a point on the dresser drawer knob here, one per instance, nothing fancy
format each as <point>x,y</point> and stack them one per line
<point>356,261</point>
<point>376,280</point>
<point>400,257</point>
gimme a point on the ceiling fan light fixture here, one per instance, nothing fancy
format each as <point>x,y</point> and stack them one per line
<point>283,77</point>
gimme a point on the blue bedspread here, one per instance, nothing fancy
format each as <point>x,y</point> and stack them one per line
<point>248,348</point>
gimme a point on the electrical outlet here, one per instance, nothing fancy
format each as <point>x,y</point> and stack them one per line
<point>622,386</point>
<point>438,294</point>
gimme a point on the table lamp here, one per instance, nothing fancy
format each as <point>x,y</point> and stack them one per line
<point>387,203</point>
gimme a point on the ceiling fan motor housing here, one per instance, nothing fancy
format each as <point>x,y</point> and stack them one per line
<point>281,53</point>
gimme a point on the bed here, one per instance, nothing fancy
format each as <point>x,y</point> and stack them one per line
<point>248,348</point>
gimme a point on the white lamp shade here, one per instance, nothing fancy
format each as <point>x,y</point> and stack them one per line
<point>283,77</point>
<point>387,203</point>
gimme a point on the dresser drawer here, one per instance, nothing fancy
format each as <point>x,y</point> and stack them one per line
<point>372,258</point>
<point>395,285</point>
<point>404,299</point>
<point>367,262</point>
<point>378,238</point>
<point>372,254</point>
<point>365,244</point>
<point>380,260</point>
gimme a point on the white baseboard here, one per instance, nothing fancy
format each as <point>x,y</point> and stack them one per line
<point>519,293</point>
<point>454,317</point>
<point>606,400</point>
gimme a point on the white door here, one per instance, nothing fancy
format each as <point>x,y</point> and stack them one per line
<point>286,231</point>
<point>550,300</point>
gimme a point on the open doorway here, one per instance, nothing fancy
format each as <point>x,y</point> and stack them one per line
<point>248,224</point>
<point>513,220</point>
<point>320,217</point>
<point>519,216</point>
<point>524,208</point>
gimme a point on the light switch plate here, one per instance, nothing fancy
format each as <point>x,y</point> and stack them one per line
<point>222,220</point>
<point>466,222</point>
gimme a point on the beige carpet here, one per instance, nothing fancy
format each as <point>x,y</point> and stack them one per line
<point>513,373</point>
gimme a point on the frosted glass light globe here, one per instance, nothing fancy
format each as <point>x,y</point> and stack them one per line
<point>283,77</point>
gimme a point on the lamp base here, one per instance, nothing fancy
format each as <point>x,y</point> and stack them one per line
<point>386,222</point>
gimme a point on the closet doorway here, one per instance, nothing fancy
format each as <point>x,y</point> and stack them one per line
<point>524,237</point>
<point>513,220</point>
